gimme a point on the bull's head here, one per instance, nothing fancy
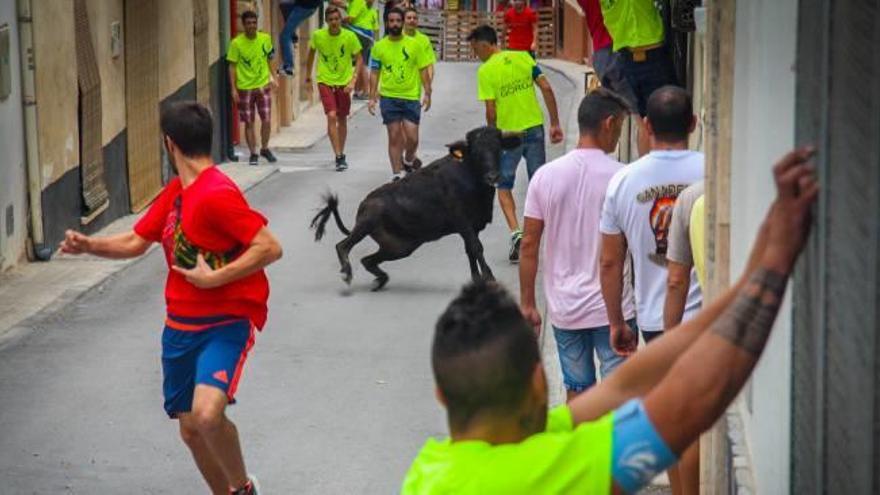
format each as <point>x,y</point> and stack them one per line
<point>481,149</point>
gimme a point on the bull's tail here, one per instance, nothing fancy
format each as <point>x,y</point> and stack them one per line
<point>320,220</point>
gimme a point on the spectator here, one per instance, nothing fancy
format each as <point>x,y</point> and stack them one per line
<point>411,29</point>
<point>294,13</point>
<point>607,63</point>
<point>521,24</point>
<point>563,207</point>
<point>363,20</point>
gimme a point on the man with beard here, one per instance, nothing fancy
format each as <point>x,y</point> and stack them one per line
<point>216,248</point>
<point>399,62</point>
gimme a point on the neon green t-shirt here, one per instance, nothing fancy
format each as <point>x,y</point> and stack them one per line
<point>251,59</point>
<point>399,64</point>
<point>426,44</point>
<point>632,23</point>
<point>697,236</point>
<point>334,54</point>
<point>562,459</point>
<point>508,77</point>
<point>363,16</point>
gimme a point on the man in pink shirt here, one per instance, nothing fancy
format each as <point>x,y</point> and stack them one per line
<point>563,206</point>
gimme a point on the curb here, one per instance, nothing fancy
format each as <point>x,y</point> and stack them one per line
<point>355,109</point>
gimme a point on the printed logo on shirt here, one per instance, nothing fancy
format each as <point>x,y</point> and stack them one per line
<point>660,217</point>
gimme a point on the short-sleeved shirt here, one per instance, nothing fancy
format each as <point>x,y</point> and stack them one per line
<point>680,249</point>
<point>363,16</point>
<point>567,195</point>
<point>596,24</point>
<point>334,53</point>
<point>210,217</point>
<point>508,77</point>
<point>632,23</point>
<point>638,204</point>
<point>400,63</point>
<point>562,459</point>
<point>520,28</point>
<point>251,59</point>
<point>426,44</point>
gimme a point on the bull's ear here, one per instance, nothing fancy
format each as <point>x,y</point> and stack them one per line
<point>458,149</point>
<point>511,140</point>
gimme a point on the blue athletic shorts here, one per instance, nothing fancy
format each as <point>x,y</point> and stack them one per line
<point>209,351</point>
<point>398,109</point>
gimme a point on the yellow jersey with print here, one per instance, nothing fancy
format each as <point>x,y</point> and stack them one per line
<point>508,78</point>
<point>334,53</point>
<point>399,63</point>
<point>363,16</point>
<point>251,58</point>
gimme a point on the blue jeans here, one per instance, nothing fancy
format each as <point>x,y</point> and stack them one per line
<point>294,15</point>
<point>648,75</point>
<point>532,149</point>
<point>576,355</point>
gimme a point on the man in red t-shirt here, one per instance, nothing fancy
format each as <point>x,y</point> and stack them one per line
<point>522,27</point>
<point>216,247</point>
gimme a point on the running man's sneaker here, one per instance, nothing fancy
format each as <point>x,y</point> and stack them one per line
<point>341,164</point>
<point>251,488</point>
<point>254,160</point>
<point>268,155</point>
<point>515,241</point>
<point>285,70</point>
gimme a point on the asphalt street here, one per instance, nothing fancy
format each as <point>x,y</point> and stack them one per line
<point>337,396</point>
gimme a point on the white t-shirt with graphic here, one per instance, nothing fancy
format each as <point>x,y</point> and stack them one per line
<point>638,204</point>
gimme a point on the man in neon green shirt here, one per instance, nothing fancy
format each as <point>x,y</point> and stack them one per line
<point>411,29</point>
<point>398,64</point>
<point>252,82</point>
<point>337,48</point>
<point>619,434</point>
<point>506,83</point>
<point>363,20</point>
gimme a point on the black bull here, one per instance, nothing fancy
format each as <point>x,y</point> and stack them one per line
<point>452,195</point>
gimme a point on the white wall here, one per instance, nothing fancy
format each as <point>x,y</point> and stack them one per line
<point>12,156</point>
<point>763,129</point>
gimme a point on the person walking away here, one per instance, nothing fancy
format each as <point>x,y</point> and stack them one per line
<point>363,20</point>
<point>399,63</point>
<point>216,248</point>
<point>252,82</point>
<point>563,206</point>
<point>411,29</point>
<point>521,25</point>
<point>506,83</point>
<point>339,59</point>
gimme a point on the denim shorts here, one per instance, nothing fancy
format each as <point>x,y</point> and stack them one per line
<point>576,355</point>
<point>532,149</point>
<point>398,109</point>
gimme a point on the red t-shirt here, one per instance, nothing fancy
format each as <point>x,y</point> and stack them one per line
<point>214,217</point>
<point>596,24</point>
<point>520,28</point>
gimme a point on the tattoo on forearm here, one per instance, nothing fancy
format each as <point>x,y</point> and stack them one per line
<point>747,322</point>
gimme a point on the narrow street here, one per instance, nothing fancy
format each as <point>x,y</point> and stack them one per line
<point>337,395</point>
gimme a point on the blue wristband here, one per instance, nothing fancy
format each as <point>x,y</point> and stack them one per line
<point>638,453</point>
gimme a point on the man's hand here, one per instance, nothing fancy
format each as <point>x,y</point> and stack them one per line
<point>273,83</point>
<point>235,96</point>
<point>533,316</point>
<point>371,106</point>
<point>75,243</point>
<point>349,88</point>
<point>789,221</point>
<point>202,276</point>
<point>426,102</point>
<point>624,340</point>
<point>556,134</point>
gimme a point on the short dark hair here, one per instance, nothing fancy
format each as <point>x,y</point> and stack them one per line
<point>331,9</point>
<point>248,14</point>
<point>598,105</point>
<point>484,353</point>
<point>190,125</point>
<point>670,112</point>
<point>484,33</point>
<point>394,10</point>
<point>411,9</point>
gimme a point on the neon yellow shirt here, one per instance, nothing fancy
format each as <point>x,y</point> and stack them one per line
<point>632,23</point>
<point>508,77</point>
<point>423,40</point>
<point>363,16</point>
<point>697,235</point>
<point>251,59</point>
<point>399,64</point>
<point>334,54</point>
<point>562,459</point>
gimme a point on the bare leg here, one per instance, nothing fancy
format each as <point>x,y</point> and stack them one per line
<point>218,433</point>
<point>251,137</point>
<point>395,146</point>
<point>342,125</point>
<point>205,460</point>
<point>333,133</point>
<point>265,132</point>
<point>689,470</point>
<point>674,480</point>
<point>505,199</point>
<point>411,143</point>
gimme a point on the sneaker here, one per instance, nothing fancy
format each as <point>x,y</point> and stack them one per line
<point>254,160</point>
<point>268,155</point>
<point>285,70</point>
<point>395,178</point>
<point>515,241</point>
<point>341,164</point>
<point>251,488</point>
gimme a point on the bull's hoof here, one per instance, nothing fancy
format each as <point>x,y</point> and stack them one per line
<point>346,276</point>
<point>489,277</point>
<point>379,283</point>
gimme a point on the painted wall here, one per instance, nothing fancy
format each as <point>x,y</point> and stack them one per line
<point>763,129</point>
<point>13,186</point>
<point>112,69</point>
<point>176,58</point>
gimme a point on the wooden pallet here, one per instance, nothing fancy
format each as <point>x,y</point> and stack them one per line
<point>458,25</point>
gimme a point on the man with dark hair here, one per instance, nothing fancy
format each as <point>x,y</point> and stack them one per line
<point>506,83</point>
<point>411,29</point>
<point>252,82</point>
<point>563,206</point>
<point>618,435</point>
<point>216,248</point>
<point>398,66</point>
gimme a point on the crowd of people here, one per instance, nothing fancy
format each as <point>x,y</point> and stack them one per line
<point>618,245</point>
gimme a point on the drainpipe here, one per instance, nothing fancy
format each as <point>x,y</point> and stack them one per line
<point>29,108</point>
